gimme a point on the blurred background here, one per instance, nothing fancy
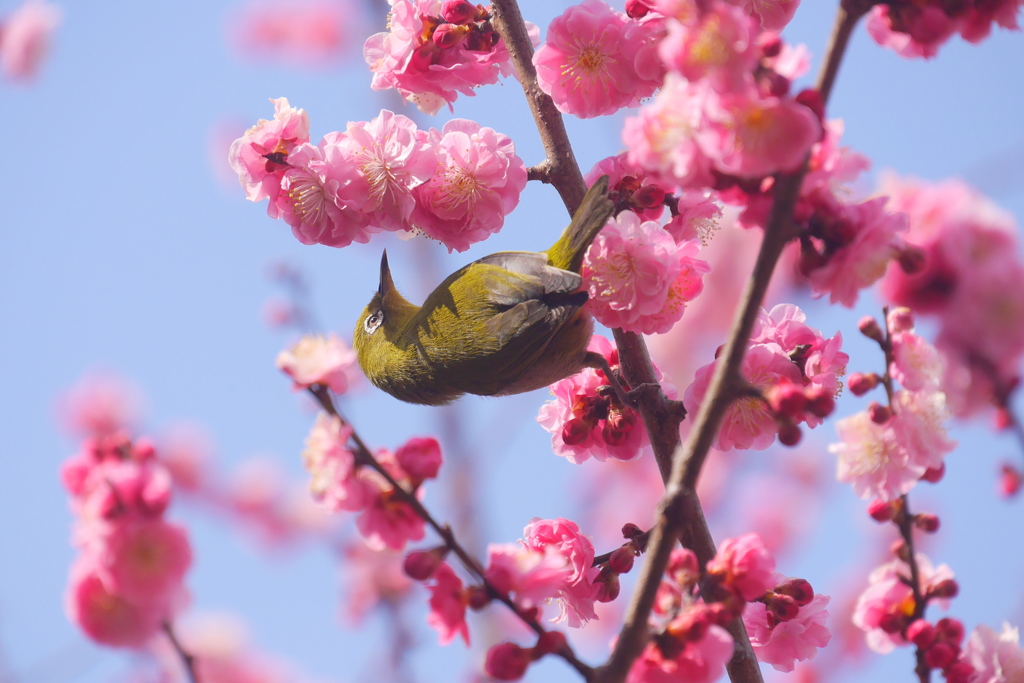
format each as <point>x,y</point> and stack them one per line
<point>127,250</point>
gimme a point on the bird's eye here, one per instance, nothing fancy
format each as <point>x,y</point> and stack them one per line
<point>373,321</point>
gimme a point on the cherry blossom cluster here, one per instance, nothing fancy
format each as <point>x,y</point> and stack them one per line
<point>885,450</point>
<point>920,28</point>
<point>553,562</point>
<point>435,49</point>
<point>345,479</point>
<point>127,582</point>
<point>970,275</point>
<point>587,420</point>
<point>784,617</point>
<point>25,38</point>
<point>316,359</point>
<point>793,375</point>
<point>455,185</point>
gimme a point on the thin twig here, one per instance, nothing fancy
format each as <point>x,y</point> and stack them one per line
<point>365,457</point>
<point>188,660</point>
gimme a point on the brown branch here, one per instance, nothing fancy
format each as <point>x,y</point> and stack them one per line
<point>365,457</point>
<point>560,167</point>
<point>188,660</point>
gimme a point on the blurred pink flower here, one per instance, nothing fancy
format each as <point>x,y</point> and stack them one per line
<point>420,458</point>
<point>447,605</point>
<point>719,47</point>
<point>477,183</point>
<point>25,38</point>
<point>145,560</point>
<point>531,576</point>
<point>299,32</point>
<point>336,481</point>
<point>996,657</point>
<point>871,459</point>
<point>373,577</point>
<point>916,363</point>
<point>105,616</point>
<point>698,661</point>
<point>744,565</point>
<point>316,359</point>
<point>773,14</point>
<point>99,404</point>
<point>784,643</point>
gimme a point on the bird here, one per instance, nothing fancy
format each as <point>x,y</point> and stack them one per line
<point>505,324</point>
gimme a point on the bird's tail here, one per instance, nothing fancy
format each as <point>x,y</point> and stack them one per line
<point>588,220</point>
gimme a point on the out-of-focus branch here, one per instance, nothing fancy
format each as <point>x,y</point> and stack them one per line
<point>187,660</point>
<point>365,457</point>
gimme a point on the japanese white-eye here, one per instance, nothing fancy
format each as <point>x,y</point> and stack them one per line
<point>504,324</point>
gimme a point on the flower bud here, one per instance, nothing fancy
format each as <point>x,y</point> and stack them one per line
<point>449,35</point>
<point>921,634</point>
<point>420,565</point>
<point>947,588</point>
<point>787,400</point>
<point>869,327</point>
<point>770,44</point>
<point>784,607</point>
<point>637,9</point>
<point>959,672</point>
<point>939,656</point>
<point>789,434</point>
<point>1003,419</point>
<point>951,630</point>
<point>912,260</point>
<point>548,643</point>
<point>813,100</point>
<point>622,559</point>
<point>878,413</point>
<point>881,510</point>
<point>798,589</point>
<point>820,402</point>
<point>143,450</point>
<point>459,11</point>
<point>892,623</point>
<point>1009,480</point>
<point>420,458</point>
<point>683,566</point>
<point>900,319</point>
<point>861,383</point>
<point>649,196</point>
<point>506,662</point>
<point>934,475</point>
<point>608,586</point>
<point>926,522</point>
<point>477,598</point>
<point>575,432</point>
<point>630,530</point>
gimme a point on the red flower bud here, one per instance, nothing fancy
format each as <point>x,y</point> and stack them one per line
<point>419,565</point>
<point>869,327</point>
<point>951,630</point>
<point>575,431</point>
<point>770,44</point>
<point>921,634</point>
<point>784,607</point>
<point>789,434</point>
<point>506,662</point>
<point>959,672</point>
<point>939,656</point>
<point>1009,480</point>
<point>912,260</point>
<point>934,474</point>
<point>798,589</point>
<point>637,9</point>
<point>449,35</point>
<point>648,197</point>
<point>926,522</point>
<point>477,597</point>
<point>548,643</point>
<point>892,623</point>
<point>878,413</point>
<point>820,402</point>
<point>630,530</point>
<point>812,99</point>
<point>881,510</point>
<point>622,559</point>
<point>901,319</point>
<point>861,383</point>
<point>459,11</point>
<point>608,586</point>
<point>947,588</point>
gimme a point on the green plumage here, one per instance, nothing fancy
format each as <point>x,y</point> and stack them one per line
<point>504,324</point>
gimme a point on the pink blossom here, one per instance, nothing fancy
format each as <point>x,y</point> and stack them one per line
<point>477,183</point>
<point>628,271</point>
<point>420,458</point>
<point>684,289</point>
<point>387,521</point>
<point>585,422</point>
<point>372,578</point>
<point>393,159</point>
<point>447,605</point>
<point>336,481</point>
<point>863,256</point>
<point>99,404</point>
<point>976,24</point>
<point>919,423</point>
<point>306,33</point>
<point>531,575</point>
<point>639,49</point>
<point>744,565</point>
<point>316,359</point>
<point>719,46</point>
<point>628,184</point>
<point>260,156</point>
<point>752,136</point>
<point>996,657</point>
<point>698,217</point>
<point>888,597</point>
<point>662,137</point>
<point>916,363</point>
<point>700,661</point>
<point>787,642</point>
<point>773,14</point>
<point>581,65</point>
<point>25,38</point>
<point>429,72</point>
<point>914,31</point>
<point>107,617</point>
<point>145,560</point>
<point>322,194</point>
<point>872,459</point>
<point>749,422</point>
<point>563,537</point>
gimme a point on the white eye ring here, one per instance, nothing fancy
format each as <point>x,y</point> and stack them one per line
<point>373,321</point>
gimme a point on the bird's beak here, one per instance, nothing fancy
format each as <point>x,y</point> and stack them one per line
<point>386,283</point>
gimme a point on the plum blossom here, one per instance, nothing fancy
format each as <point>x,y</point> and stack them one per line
<point>260,156</point>
<point>787,642</point>
<point>629,185</point>
<point>430,59</point>
<point>99,404</point>
<point>697,661</point>
<point>321,196</point>
<point>773,15</point>
<point>744,565</point>
<point>719,46</point>
<point>919,423</point>
<point>25,38</point>
<point>872,459</point>
<point>888,599</point>
<point>531,575</point>
<point>306,33</point>
<point>448,603</point>
<point>749,422</point>
<point>911,31</point>
<point>996,657</point>
<point>477,183</point>
<point>629,271</point>
<point>581,65</point>
<point>337,483</point>
<point>393,158</point>
<point>106,616</point>
<point>316,359</point>
<point>388,521</point>
<point>372,577</point>
<point>562,536</point>
<point>145,559</point>
<point>916,363</point>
